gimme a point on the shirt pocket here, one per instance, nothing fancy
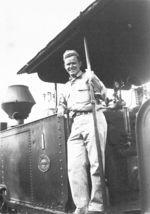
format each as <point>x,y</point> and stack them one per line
<point>83,95</point>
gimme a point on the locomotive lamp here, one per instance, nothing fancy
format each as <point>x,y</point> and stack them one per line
<point>18,103</point>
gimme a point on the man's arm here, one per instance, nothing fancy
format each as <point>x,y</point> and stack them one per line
<point>62,106</point>
<point>98,86</point>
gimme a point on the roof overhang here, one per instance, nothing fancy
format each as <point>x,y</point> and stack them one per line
<point>118,36</point>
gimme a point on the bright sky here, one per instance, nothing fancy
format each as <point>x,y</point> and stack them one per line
<point>27,26</point>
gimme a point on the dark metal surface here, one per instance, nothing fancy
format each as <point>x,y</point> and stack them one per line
<point>50,187</point>
<point>118,35</point>
<point>15,162</point>
<point>121,159</point>
<point>33,165</point>
<point>143,143</point>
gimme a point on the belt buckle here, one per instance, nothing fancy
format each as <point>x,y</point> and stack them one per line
<point>82,113</point>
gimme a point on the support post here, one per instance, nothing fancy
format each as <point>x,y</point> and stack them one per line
<point>99,153</point>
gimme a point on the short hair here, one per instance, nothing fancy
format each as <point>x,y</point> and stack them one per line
<point>70,53</point>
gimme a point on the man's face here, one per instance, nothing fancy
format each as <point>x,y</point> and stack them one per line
<point>72,65</point>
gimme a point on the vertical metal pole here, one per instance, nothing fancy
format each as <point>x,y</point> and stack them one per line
<point>87,54</point>
<point>99,153</point>
<point>56,95</point>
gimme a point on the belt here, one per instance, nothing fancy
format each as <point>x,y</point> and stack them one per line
<point>78,113</point>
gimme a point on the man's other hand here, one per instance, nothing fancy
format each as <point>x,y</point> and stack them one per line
<point>60,111</point>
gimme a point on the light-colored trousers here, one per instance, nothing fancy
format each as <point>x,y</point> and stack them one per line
<point>82,151</point>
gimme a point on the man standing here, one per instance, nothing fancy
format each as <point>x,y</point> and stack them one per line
<point>82,149</point>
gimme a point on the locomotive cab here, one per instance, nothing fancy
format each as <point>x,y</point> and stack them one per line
<point>113,37</point>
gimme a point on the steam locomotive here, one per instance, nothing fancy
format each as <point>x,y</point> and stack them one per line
<point>33,160</point>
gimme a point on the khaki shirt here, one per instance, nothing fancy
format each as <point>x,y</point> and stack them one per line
<point>76,95</point>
